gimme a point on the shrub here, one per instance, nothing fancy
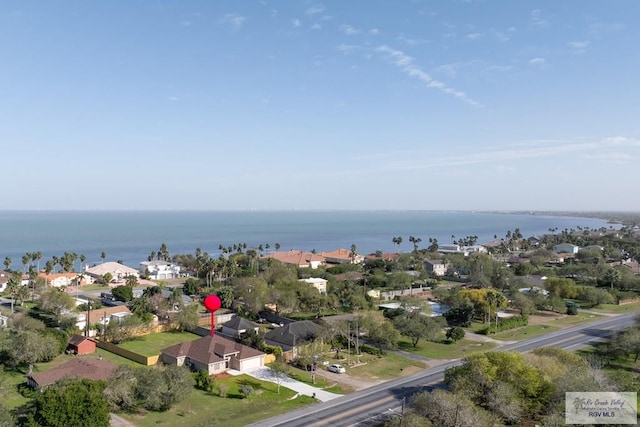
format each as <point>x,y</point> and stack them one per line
<point>371,350</point>
<point>506,324</point>
<point>455,334</point>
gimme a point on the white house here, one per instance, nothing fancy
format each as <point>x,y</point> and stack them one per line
<point>318,283</point>
<point>436,267</point>
<point>566,248</point>
<point>118,271</point>
<point>160,270</point>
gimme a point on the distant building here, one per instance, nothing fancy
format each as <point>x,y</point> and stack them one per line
<point>160,270</point>
<point>458,249</point>
<point>436,267</point>
<point>298,258</point>
<point>342,256</point>
<point>118,271</point>
<point>566,248</point>
<point>4,280</point>
<point>318,283</point>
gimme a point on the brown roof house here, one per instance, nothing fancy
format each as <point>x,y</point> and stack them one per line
<point>79,368</point>
<point>213,354</point>
<point>299,258</point>
<point>81,345</point>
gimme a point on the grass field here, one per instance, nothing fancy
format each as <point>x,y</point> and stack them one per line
<point>203,409</point>
<point>441,350</point>
<point>152,345</point>
<point>389,366</point>
<point>524,332</point>
<point>618,309</point>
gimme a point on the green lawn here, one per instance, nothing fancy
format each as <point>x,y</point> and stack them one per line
<point>304,377</point>
<point>391,365</point>
<point>445,350</point>
<point>618,309</point>
<point>202,409</point>
<point>524,332</point>
<point>151,345</point>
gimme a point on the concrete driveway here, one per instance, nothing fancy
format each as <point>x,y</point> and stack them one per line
<point>264,373</point>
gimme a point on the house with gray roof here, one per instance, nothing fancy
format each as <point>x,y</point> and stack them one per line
<point>238,326</point>
<point>292,334</point>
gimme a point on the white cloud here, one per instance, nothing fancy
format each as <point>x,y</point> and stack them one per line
<point>405,62</point>
<point>374,31</point>
<point>540,62</point>
<point>349,30</point>
<point>474,36</point>
<point>538,20</point>
<point>296,23</point>
<point>594,149</point>
<point>316,27</point>
<point>235,21</point>
<point>185,23</point>
<point>412,42</point>
<point>579,46</point>
<point>173,98</point>
<point>314,10</point>
<point>348,48</point>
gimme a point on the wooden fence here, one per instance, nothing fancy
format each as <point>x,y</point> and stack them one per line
<point>128,354</point>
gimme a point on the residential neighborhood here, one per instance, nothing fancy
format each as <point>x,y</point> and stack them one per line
<point>337,317</point>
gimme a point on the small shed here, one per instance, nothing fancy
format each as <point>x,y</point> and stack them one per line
<point>81,345</point>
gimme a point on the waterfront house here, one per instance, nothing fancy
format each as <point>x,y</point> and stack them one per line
<point>159,270</point>
<point>63,280</point>
<point>298,258</point>
<point>118,271</point>
<point>214,355</point>
<point>342,256</point>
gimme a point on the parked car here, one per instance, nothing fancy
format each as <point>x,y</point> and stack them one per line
<point>338,369</point>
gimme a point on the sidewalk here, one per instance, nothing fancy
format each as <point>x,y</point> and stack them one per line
<point>297,386</point>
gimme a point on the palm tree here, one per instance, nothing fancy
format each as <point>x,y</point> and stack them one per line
<point>7,262</point>
<point>36,257</point>
<point>103,255</point>
<point>277,246</point>
<point>26,259</point>
<point>82,260</point>
<point>353,253</point>
<point>397,241</point>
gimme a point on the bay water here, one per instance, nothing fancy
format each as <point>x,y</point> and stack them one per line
<point>130,236</point>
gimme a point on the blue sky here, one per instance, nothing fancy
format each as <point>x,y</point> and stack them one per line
<point>320,105</point>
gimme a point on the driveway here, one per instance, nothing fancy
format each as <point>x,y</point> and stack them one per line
<point>264,374</point>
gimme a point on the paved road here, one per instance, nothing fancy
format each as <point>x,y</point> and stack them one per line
<point>371,406</point>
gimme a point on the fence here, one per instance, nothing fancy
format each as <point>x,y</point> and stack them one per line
<point>128,354</point>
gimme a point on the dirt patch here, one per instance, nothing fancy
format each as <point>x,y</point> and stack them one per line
<point>222,375</point>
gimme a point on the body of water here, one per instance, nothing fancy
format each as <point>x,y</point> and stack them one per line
<point>130,236</point>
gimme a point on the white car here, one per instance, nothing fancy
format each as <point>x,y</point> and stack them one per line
<point>338,369</point>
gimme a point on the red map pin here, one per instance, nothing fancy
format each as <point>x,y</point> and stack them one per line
<point>212,303</point>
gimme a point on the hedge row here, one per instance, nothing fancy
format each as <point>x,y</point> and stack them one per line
<point>506,324</point>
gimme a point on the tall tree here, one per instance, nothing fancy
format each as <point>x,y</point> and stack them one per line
<point>7,262</point>
<point>103,255</point>
<point>72,404</point>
